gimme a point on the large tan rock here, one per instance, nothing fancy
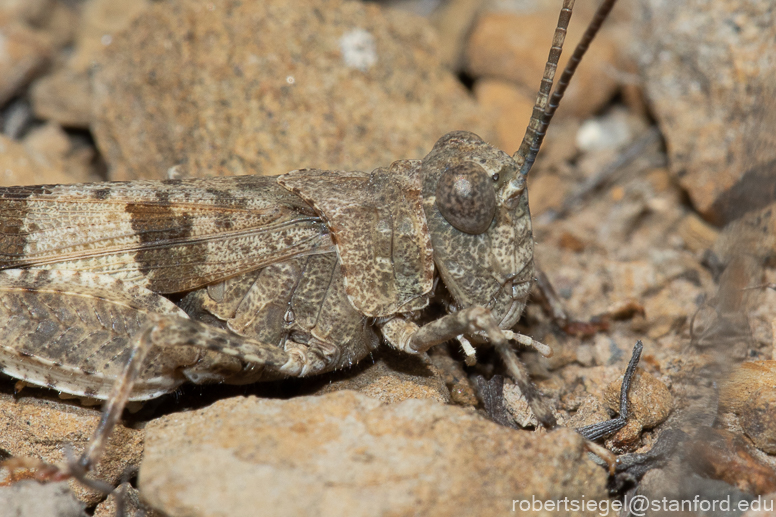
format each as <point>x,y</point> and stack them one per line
<point>513,109</point>
<point>709,71</point>
<point>268,87</point>
<point>100,21</point>
<point>347,454</point>
<point>750,392</point>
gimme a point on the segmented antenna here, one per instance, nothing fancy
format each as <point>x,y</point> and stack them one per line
<point>542,98</point>
<point>543,110</point>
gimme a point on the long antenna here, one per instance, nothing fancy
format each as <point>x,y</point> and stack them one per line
<point>546,85</point>
<point>543,110</point>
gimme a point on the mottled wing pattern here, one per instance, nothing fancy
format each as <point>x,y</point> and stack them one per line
<point>71,331</point>
<point>380,231</point>
<point>168,236</point>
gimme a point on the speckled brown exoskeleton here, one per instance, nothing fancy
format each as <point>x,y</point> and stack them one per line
<point>293,275</point>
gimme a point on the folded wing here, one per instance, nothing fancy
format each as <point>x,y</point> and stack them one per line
<point>167,236</point>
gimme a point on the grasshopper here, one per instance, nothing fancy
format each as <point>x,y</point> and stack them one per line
<point>293,275</point>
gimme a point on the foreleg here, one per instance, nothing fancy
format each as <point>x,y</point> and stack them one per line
<point>409,337</point>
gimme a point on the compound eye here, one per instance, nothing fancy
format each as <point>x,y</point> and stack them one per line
<point>466,198</point>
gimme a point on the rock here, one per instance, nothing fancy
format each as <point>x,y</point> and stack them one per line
<point>49,141</point>
<point>513,47</point>
<point>633,278</point>
<point>268,87</point>
<point>585,355</point>
<point>453,21</point>
<point>613,130</point>
<point>50,144</point>
<point>754,234</point>
<point>43,156</point>
<point>53,148</point>
<point>20,167</point>
<point>649,403</point>
<point>30,498</point>
<point>762,506</point>
<point>671,308</point>
<point>455,378</point>
<point>563,353</point>
<point>726,456</point>
<point>750,392</point>
<point>744,382</point>
<point>709,69</point>
<point>133,506</point>
<point>755,189</point>
<point>390,378</point>
<point>758,419</point>
<point>696,233</point>
<point>64,97</point>
<point>511,107</point>
<point>80,162</point>
<point>42,428</point>
<point>60,22</point>
<point>546,192</point>
<point>606,351</point>
<point>57,18</point>
<point>27,11</point>
<point>24,53</point>
<point>101,21</point>
<point>569,241</point>
<point>591,411</point>
<point>46,152</point>
<point>671,485</point>
<point>346,454</point>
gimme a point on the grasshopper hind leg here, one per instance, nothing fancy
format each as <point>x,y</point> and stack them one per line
<point>258,334</point>
<point>174,331</point>
<point>126,342</point>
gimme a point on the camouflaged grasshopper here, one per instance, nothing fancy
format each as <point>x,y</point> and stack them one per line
<point>293,275</point>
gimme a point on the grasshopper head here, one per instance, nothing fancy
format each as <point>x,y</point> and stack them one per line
<point>477,212</point>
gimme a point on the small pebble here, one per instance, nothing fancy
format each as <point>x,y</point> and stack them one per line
<point>758,418</point>
<point>649,402</point>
